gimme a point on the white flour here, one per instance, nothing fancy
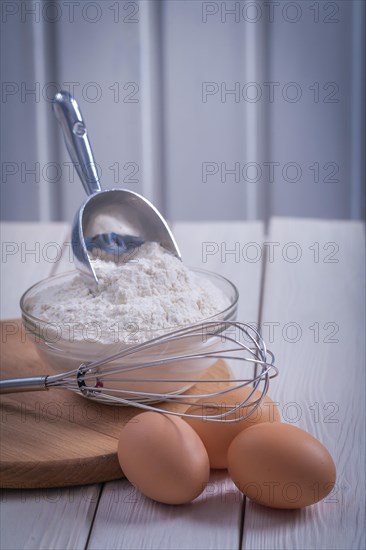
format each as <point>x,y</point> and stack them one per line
<point>152,291</point>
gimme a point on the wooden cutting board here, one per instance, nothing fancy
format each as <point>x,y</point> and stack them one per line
<point>56,438</point>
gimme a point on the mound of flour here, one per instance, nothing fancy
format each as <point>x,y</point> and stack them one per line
<point>152,291</point>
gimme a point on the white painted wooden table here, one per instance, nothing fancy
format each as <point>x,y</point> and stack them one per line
<point>304,282</point>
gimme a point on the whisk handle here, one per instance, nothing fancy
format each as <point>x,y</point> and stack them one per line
<point>15,385</point>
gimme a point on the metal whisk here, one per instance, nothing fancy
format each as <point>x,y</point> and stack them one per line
<point>116,379</point>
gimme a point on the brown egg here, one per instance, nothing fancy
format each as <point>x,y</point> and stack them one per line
<point>217,436</point>
<point>281,466</point>
<point>163,457</point>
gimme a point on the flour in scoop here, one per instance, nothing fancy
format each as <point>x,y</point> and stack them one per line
<point>153,291</point>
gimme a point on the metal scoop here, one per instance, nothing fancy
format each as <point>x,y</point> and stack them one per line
<point>112,222</point>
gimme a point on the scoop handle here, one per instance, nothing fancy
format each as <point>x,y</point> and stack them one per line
<point>75,134</point>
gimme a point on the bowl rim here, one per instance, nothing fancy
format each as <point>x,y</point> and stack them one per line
<point>74,272</point>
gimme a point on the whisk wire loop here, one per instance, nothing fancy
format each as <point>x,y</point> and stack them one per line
<point>164,368</point>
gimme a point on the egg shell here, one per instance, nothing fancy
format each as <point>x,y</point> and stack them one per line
<point>217,436</point>
<point>163,457</point>
<point>281,466</point>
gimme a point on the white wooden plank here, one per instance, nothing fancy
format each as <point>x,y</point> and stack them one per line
<point>21,185</point>
<point>29,253</point>
<point>47,519</point>
<point>321,387</point>
<point>66,262</point>
<point>204,124</point>
<point>58,518</point>
<point>126,519</point>
<point>151,103</point>
<point>109,100</point>
<point>232,249</point>
<point>307,55</point>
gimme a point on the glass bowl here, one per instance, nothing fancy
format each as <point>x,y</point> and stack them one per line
<point>65,348</point>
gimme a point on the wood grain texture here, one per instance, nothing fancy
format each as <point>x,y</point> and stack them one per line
<point>126,519</point>
<point>304,292</point>
<point>38,510</point>
<point>56,438</point>
<point>52,438</point>
<point>321,386</point>
<point>47,519</point>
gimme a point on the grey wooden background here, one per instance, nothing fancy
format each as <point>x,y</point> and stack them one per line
<point>213,110</point>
